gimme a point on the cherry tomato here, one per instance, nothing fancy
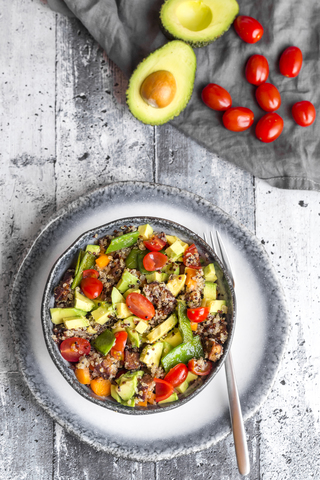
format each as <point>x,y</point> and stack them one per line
<point>269,127</point>
<point>216,97</point>
<point>91,287</point>
<point>238,119</point>
<point>90,273</point>
<point>304,113</point>
<point>197,315</point>
<point>140,306</point>
<point>248,29</point>
<point>163,389</point>
<point>268,97</point>
<point>257,69</point>
<point>177,375</point>
<point>155,244</point>
<point>191,257</point>
<point>203,368</point>
<point>73,348</point>
<point>154,261</point>
<point>290,62</point>
<point>118,348</point>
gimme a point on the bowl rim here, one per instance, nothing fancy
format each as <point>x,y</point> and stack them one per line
<point>62,365</point>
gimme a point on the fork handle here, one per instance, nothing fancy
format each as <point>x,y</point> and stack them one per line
<point>239,434</point>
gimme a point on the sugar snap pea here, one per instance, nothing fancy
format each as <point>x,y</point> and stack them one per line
<point>86,263</point>
<point>183,353</point>
<point>124,241</point>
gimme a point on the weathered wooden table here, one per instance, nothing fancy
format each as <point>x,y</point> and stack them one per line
<point>65,130</point>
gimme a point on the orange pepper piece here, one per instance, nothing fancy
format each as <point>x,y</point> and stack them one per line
<point>101,387</point>
<point>194,326</point>
<point>83,375</point>
<point>103,260</point>
<point>143,404</point>
<point>151,398</point>
<point>190,272</point>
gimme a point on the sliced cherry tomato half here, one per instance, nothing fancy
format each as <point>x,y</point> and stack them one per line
<point>73,348</point>
<point>118,348</point>
<point>257,69</point>
<point>269,127</point>
<point>154,261</point>
<point>199,367</point>
<point>91,287</point>
<point>140,306</point>
<point>163,389</point>
<point>238,119</point>
<point>248,29</point>
<point>216,97</point>
<point>155,244</point>
<point>290,62</point>
<point>268,97</point>
<point>197,315</point>
<point>304,113</point>
<point>90,273</point>
<point>191,257</point>
<point>177,375</point>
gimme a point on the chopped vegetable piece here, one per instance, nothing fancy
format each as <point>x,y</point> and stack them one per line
<point>83,375</point>
<point>90,273</point>
<point>184,323</point>
<point>155,244</point>
<point>140,306</point>
<point>177,375</point>
<point>132,258</point>
<point>198,315</point>
<point>91,287</point>
<point>118,348</point>
<point>154,261</point>
<point>124,241</point>
<point>183,353</point>
<point>191,257</point>
<point>73,348</point>
<point>101,386</point>
<point>104,342</point>
<point>164,389</point>
<point>102,261</point>
<point>199,367</point>
<point>87,262</point>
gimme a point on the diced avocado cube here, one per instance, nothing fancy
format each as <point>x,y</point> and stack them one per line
<point>102,314</point>
<point>130,403</point>
<point>190,378</point>
<point>134,337</point>
<point>210,291</point>
<point>157,277</point>
<point>216,305</point>
<point>58,314</point>
<point>162,329</point>
<point>166,348</point>
<point>131,290</point>
<point>172,398</point>
<point>104,342</point>
<point>72,323</point>
<point>126,281</point>
<point>176,284</point>
<point>210,273</point>
<point>171,239</point>
<point>91,330</point>
<point>174,338</point>
<point>127,384</point>
<point>122,325</point>
<point>175,250</point>
<point>122,310</point>
<point>151,354</point>
<point>171,268</point>
<point>82,302</point>
<point>146,231</point>
<point>93,248</point>
<point>116,297</point>
<point>99,303</point>
<point>114,393</point>
<point>142,326</point>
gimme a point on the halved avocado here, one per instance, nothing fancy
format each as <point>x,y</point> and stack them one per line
<point>198,22</point>
<point>176,59</point>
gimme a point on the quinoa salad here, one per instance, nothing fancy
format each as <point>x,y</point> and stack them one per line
<point>141,317</point>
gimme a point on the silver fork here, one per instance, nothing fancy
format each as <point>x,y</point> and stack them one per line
<point>239,434</point>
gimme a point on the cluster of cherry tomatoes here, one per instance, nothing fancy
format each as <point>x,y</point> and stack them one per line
<point>238,119</point>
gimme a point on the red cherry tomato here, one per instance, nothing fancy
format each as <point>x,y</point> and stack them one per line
<point>154,261</point>
<point>269,127</point>
<point>163,389</point>
<point>304,113</point>
<point>90,273</point>
<point>140,306</point>
<point>197,315</point>
<point>73,348</point>
<point>216,97</point>
<point>191,257</point>
<point>177,375</point>
<point>268,97</point>
<point>198,367</point>
<point>257,69</point>
<point>290,62</point>
<point>91,287</point>
<point>155,244</point>
<point>118,348</point>
<point>238,119</point>
<point>248,29</point>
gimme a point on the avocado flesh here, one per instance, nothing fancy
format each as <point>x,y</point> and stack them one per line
<point>175,57</point>
<point>198,22</point>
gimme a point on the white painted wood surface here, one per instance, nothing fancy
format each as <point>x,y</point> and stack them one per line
<point>65,129</point>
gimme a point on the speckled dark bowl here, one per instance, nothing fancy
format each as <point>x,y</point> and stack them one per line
<point>69,257</point>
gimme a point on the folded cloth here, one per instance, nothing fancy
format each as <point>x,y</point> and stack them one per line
<point>128,30</point>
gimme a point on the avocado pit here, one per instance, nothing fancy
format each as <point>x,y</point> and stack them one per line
<point>159,89</point>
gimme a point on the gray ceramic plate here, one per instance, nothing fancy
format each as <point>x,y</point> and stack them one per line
<point>69,258</point>
<point>261,332</point>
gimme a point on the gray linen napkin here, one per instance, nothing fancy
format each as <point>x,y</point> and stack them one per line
<point>128,30</point>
